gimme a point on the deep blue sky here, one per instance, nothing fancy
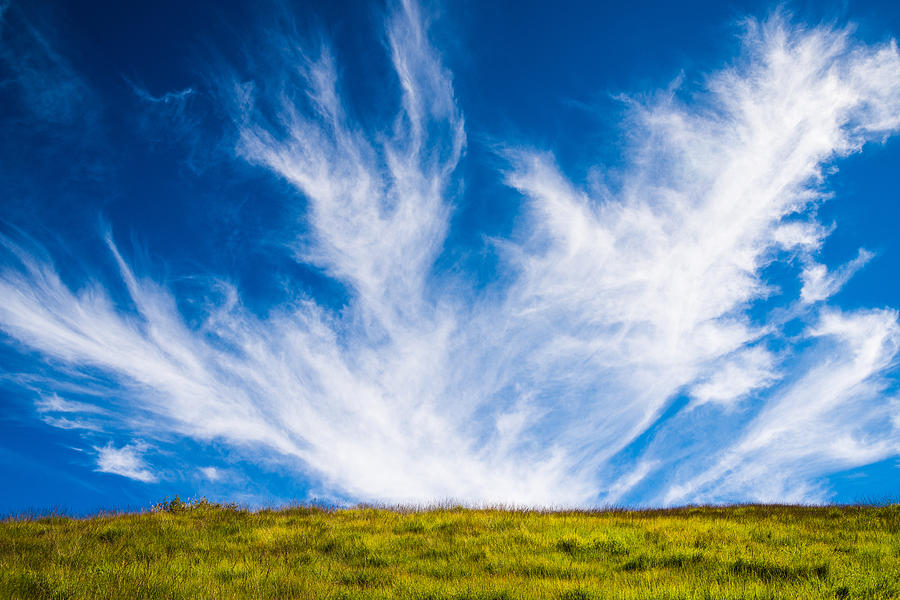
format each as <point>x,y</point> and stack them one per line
<point>563,265</point>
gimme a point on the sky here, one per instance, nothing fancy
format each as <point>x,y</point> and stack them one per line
<point>519,253</point>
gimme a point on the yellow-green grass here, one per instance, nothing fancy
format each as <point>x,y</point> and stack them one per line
<point>210,551</point>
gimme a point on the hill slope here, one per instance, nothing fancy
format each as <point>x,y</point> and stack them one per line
<point>210,551</point>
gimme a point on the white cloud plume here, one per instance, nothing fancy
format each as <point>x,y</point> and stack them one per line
<point>649,288</point>
<point>53,403</point>
<point>126,461</point>
<point>737,376</point>
<point>833,417</point>
<point>423,389</point>
<point>820,284</point>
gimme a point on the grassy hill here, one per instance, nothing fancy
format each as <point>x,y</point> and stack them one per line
<point>210,551</point>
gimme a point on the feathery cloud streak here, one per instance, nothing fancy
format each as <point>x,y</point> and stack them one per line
<point>616,302</point>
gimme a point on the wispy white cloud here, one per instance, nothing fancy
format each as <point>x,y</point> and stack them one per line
<point>68,423</point>
<point>612,305</point>
<point>834,416</point>
<point>69,414</point>
<point>617,489</point>
<point>648,288</point>
<point>126,461</point>
<point>53,403</point>
<point>736,376</point>
<point>820,284</point>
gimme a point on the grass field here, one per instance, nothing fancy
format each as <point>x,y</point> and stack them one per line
<point>210,551</point>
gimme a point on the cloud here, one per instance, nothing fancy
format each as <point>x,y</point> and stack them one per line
<point>168,117</point>
<point>126,461</point>
<point>612,305</point>
<point>54,403</point>
<point>820,284</point>
<point>831,418</point>
<point>176,99</point>
<point>648,289</point>
<point>67,423</point>
<point>378,211</point>
<point>69,414</point>
<point>737,376</point>
<point>211,473</point>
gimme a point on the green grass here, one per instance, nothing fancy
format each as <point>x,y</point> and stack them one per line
<point>210,551</point>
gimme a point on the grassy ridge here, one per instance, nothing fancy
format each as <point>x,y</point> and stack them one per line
<point>210,551</point>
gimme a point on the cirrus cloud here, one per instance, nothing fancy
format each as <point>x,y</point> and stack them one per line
<point>614,303</point>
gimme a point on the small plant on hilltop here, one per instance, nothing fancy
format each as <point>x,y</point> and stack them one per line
<point>176,505</point>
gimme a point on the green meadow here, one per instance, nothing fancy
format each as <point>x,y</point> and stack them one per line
<point>203,550</point>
